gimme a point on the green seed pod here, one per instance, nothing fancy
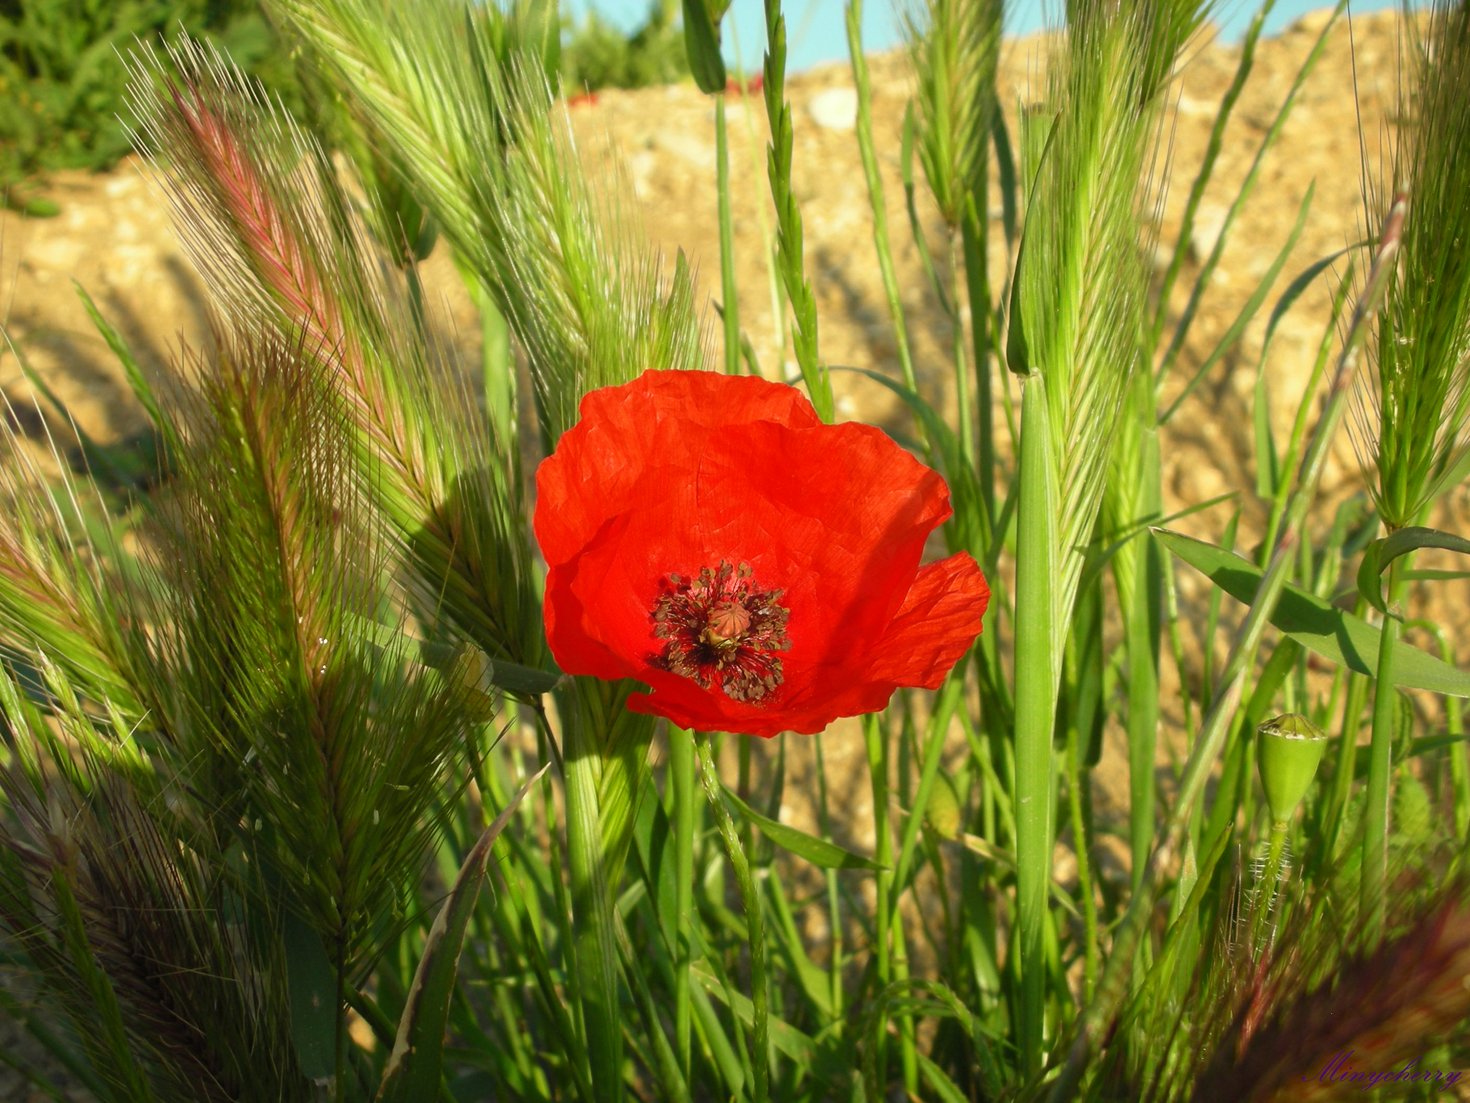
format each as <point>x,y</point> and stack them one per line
<point>1291,749</point>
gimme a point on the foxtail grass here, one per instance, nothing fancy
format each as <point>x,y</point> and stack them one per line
<point>270,226</point>
<point>1411,409</point>
<point>1077,305</point>
<point>479,135</point>
<point>789,234</point>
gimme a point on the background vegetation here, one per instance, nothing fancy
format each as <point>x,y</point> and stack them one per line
<point>62,70</point>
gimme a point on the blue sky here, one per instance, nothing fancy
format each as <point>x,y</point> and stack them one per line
<point>816,33</point>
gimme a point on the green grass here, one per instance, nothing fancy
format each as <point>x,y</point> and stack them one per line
<point>295,804</point>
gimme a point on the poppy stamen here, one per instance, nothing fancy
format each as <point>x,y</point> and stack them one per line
<point>721,631</point>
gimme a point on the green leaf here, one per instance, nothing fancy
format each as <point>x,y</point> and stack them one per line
<point>462,661</point>
<point>414,1067</point>
<point>820,852</point>
<point>786,1039</point>
<point>1006,860</point>
<point>944,1088</point>
<point>312,983</point>
<point>1247,312</point>
<point>702,44</point>
<point>1267,460</point>
<point>1330,632</point>
<point>1417,747</point>
<point>142,389</point>
<point>1381,553</point>
<point>1430,575</point>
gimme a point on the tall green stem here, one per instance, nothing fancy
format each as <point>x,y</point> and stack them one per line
<point>1345,764</point>
<point>977,285</point>
<point>681,776</point>
<point>883,879</point>
<point>760,1058</point>
<point>730,300</point>
<point>876,202</point>
<point>788,217</point>
<point>1459,766</point>
<point>1380,764</point>
<point>1143,633</point>
<point>959,348</point>
<point>1268,889</point>
<point>1078,804</point>
<point>1037,670</point>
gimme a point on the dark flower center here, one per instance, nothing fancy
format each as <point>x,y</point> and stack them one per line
<point>721,630</point>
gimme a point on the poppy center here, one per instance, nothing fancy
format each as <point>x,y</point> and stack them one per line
<point>721,630</point>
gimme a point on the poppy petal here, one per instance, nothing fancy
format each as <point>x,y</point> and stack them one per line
<point>627,434</point>
<point>681,478</point>
<point>938,622</point>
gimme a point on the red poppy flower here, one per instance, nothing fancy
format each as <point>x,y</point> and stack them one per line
<point>708,536</point>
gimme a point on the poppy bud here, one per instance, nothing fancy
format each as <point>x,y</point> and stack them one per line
<point>1290,750</point>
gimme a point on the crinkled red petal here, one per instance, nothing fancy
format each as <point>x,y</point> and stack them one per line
<point>633,434</point>
<point>654,481</point>
<point>938,622</point>
<point>940,618</point>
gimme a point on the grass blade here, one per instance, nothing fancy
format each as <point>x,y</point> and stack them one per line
<point>414,1068</point>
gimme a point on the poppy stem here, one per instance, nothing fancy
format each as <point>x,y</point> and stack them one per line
<point>755,926</point>
<point>1269,889</point>
<point>883,879</point>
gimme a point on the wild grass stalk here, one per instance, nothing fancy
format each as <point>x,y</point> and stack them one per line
<point>1077,306</point>
<point>788,217</point>
<point>1111,988</point>
<point>1380,759</point>
<point>955,45</point>
<point>56,586</point>
<point>729,293</point>
<point>1134,497</point>
<point>495,165</point>
<point>278,245</point>
<point>1411,415</point>
<point>1247,186</point>
<point>682,770</point>
<point>882,244</point>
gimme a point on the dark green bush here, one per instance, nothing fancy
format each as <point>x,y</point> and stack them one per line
<point>61,72</point>
<point>62,80</point>
<point>596,54</point>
